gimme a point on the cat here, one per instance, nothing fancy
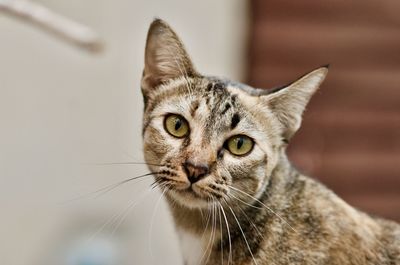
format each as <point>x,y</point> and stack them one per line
<point>217,151</point>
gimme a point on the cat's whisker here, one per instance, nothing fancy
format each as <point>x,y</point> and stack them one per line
<point>208,243</point>
<point>172,201</point>
<point>214,230</point>
<point>241,230</point>
<point>209,213</point>
<point>263,204</point>
<point>116,216</point>
<point>125,163</point>
<point>208,219</point>
<point>155,184</point>
<point>108,188</point>
<point>251,222</point>
<point>112,187</point>
<point>208,249</point>
<point>160,182</point>
<point>201,214</point>
<point>222,242</point>
<point>248,204</point>
<point>127,211</point>
<point>229,233</point>
<point>215,224</point>
<point>152,222</point>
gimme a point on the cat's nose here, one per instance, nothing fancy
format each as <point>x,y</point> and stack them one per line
<point>195,172</point>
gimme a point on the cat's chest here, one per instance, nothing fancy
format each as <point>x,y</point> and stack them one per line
<point>192,247</point>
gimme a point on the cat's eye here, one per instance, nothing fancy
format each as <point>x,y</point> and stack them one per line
<point>239,145</point>
<point>176,125</point>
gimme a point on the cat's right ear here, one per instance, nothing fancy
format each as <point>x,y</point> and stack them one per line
<point>288,103</point>
<point>165,57</point>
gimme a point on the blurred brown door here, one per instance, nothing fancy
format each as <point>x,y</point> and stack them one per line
<point>350,137</point>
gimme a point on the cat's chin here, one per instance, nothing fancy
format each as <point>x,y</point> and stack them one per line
<point>189,198</point>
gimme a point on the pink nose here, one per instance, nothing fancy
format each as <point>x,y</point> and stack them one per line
<point>195,172</point>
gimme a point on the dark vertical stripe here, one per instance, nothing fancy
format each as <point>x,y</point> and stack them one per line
<point>235,120</point>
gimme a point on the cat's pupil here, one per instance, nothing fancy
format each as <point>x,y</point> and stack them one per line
<point>239,143</point>
<point>178,124</point>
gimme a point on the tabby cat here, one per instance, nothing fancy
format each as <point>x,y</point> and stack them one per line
<point>217,150</point>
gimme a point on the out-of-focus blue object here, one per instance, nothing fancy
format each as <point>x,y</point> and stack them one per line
<point>98,251</point>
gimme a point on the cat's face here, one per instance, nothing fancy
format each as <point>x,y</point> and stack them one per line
<point>208,136</point>
<point>210,140</point>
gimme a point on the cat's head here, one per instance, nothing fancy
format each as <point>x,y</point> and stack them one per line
<point>209,139</point>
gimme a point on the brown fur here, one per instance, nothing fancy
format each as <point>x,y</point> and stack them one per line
<point>256,208</point>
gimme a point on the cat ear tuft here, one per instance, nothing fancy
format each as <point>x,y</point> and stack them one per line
<point>289,102</point>
<point>165,56</point>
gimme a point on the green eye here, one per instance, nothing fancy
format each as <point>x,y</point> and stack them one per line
<point>176,125</point>
<point>239,145</point>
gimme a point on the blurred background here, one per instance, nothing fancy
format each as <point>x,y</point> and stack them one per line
<point>350,136</point>
<point>67,116</point>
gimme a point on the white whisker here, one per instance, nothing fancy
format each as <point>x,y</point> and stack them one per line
<point>210,217</point>
<point>108,188</point>
<point>116,216</point>
<point>241,230</point>
<point>229,234</point>
<point>251,222</point>
<point>268,208</point>
<point>222,242</point>
<point>127,210</point>
<point>152,222</point>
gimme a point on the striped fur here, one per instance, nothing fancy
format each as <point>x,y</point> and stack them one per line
<point>252,209</point>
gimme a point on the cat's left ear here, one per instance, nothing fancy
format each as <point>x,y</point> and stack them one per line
<point>165,57</point>
<point>288,103</point>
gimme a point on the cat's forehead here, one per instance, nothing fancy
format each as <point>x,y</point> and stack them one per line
<point>219,94</point>
<point>216,104</point>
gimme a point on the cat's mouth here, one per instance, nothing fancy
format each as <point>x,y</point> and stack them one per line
<point>184,190</point>
<point>190,192</point>
<point>192,196</point>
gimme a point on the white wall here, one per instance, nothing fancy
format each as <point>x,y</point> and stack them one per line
<point>62,110</point>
